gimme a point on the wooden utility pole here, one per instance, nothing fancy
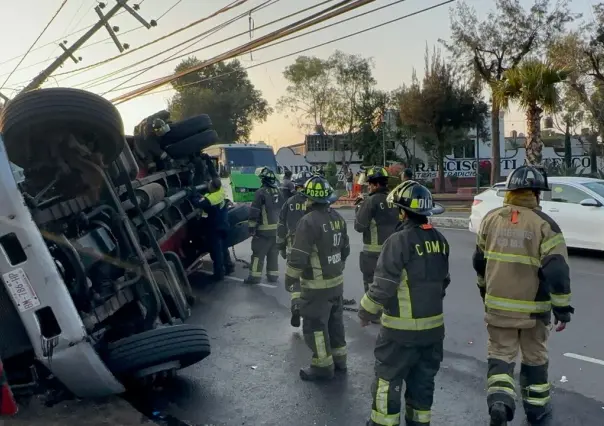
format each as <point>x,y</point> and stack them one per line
<point>69,52</point>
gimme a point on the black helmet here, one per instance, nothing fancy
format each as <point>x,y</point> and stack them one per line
<point>412,197</point>
<point>301,178</point>
<point>318,190</point>
<point>377,175</point>
<point>267,176</point>
<point>527,177</point>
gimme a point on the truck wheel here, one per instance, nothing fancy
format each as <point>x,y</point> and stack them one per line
<point>28,120</point>
<point>192,145</point>
<point>181,345</point>
<point>180,130</point>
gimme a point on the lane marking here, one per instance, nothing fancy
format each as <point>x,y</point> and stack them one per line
<point>584,358</point>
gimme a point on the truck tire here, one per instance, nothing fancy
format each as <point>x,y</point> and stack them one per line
<point>180,130</point>
<point>192,145</point>
<point>185,343</point>
<point>29,118</point>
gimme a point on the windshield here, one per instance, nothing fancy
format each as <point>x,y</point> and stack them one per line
<point>246,160</point>
<point>597,187</point>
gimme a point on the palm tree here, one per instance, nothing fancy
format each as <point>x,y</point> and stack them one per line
<point>533,85</point>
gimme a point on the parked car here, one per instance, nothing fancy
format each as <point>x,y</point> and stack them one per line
<point>575,203</point>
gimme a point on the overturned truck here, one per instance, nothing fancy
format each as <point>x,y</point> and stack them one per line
<point>95,242</point>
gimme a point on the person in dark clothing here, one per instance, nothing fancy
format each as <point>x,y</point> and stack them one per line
<point>264,216</point>
<point>316,265</point>
<point>407,175</point>
<point>287,186</point>
<point>411,277</point>
<point>214,207</point>
<point>376,219</point>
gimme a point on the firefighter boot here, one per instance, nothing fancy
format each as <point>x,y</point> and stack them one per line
<point>313,374</point>
<point>295,319</point>
<point>499,414</point>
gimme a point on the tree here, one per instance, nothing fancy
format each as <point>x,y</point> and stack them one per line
<point>533,84</point>
<point>499,43</point>
<point>309,93</point>
<point>440,109</point>
<point>369,111</point>
<point>581,52</point>
<point>225,93</point>
<point>568,118</point>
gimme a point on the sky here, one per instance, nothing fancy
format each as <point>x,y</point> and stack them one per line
<point>396,49</point>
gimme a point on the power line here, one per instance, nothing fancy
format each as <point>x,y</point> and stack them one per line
<point>170,9</point>
<point>312,20</point>
<point>103,79</point>
<point>266,46</point>
<point>35,41</point>
<point>232,5</point>
<point>62,38</point>
<point>208,34</point>
<point>409,15</point>
<point>197,50</point>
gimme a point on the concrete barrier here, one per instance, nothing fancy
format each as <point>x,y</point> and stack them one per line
<point>450,222</point>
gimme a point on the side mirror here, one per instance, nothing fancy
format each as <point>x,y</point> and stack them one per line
<point>590,202</point>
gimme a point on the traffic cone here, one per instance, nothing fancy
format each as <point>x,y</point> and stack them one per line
<point>8,405</point>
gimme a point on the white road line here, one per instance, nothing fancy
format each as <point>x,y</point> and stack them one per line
<point>584,358</point>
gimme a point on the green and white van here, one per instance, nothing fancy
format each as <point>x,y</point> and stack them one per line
<point>236,164</point>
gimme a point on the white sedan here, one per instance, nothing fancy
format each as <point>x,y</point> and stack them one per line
<point>575,203</point>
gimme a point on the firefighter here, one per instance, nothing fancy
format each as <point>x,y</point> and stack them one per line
<point>317,260</point>
<point>291,213</point>
<point>523,275</point>
<point>287,186</point>
<point>262,223</point>
<point>376,219</point>
<point>409,286</point>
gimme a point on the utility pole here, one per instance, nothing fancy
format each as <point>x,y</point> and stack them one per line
<point>102,23</point>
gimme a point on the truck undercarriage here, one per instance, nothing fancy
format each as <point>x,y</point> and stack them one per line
<point>96,241</point>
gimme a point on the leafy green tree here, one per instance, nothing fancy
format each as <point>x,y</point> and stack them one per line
<point>533,85</point>
<point>225,93</point>
<point>487,49</point>
<point>440,109</point>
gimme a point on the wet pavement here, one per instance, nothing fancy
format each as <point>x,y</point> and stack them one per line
<point>251,378</point>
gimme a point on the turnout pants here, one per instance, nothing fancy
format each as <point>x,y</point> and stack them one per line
<point>503,347</point>
<point>264,247</point>
<point>294,290</point>
<point>368,262</point>
<point>417,366</point>
<point>323,329</point>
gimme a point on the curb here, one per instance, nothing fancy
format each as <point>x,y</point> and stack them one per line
<point>450,222</point>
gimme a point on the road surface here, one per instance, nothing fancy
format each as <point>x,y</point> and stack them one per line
<point>252,378</point>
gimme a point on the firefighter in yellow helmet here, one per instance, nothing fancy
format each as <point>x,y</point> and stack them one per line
<point>317,260</point>
<point>264,215</point>
<point>523,275</point>
<point>376,219</point>
<point>292,211</point>
<point>409,285</point>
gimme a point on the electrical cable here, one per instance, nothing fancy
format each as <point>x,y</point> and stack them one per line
<point>170,9</point>
<point>255,50</point>
<point>197,50</point>
<point>232,5</point>
<point>209,33</point>
<point>70,27</point>
<point>35,41</point>
<point>104,77</point>
<point>316,18</point>
<point>298,52</point>
<point>68,35</point>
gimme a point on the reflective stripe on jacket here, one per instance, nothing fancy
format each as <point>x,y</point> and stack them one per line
<point>409,284</point>
<point>319,252</point>
<point>522,265</point>
<point>265,209</point>
<point>376,220</point>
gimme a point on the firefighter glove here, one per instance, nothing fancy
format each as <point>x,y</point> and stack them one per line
<point>563,314</point>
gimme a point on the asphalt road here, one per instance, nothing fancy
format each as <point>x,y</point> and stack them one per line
<point>252,376</point>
